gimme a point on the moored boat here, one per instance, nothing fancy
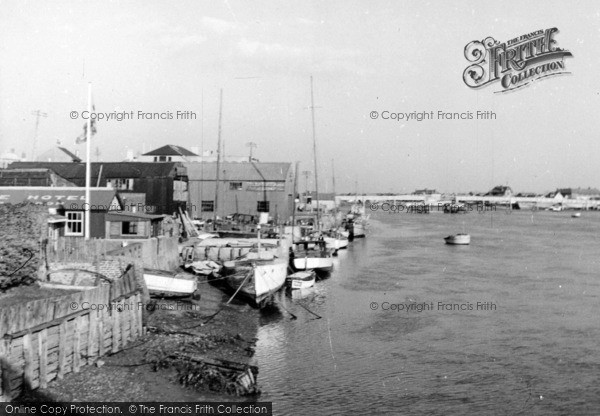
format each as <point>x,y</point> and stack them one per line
<point>312,255</point>
<point>165,283</point>
<point>301,280</point>
<point>458,239</point>
<point>256,276</point>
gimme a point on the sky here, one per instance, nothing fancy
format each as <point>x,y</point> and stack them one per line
<point>364,56</point>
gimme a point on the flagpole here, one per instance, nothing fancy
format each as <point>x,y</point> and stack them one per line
<point>88,173</point>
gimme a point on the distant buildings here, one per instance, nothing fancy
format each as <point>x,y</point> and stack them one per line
<point>165,184</point>
<point>500,191</point>
<point>170,153</point>
<point>580,193</point>
<point>7,158</point>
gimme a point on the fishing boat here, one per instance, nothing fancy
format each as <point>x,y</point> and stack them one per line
<point>257,276</point>
<point>336,242</point>
<point>312,255</point>
<point>458,239</point>
<point>301,280</point>
<point>164,283</point>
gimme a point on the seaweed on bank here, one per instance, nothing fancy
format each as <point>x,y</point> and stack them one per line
<point>197,370</point>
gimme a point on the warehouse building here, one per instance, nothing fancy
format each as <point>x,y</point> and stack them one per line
<point>243,188</point>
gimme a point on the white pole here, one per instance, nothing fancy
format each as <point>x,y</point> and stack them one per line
<point>88,173</point>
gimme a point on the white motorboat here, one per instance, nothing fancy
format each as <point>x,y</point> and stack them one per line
<point>166,283</point>
<point>458,239</point>
<point>576,215</point>
<point>312,255</point>
<point>302,279</point>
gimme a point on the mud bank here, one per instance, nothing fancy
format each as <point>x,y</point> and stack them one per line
<point>143,371</point>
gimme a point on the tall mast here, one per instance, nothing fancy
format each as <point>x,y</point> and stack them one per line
<point>294,199</point>
<point>218,162</point>
<point>88,166</point>
<point>312,108</point>
<point>333,175</point>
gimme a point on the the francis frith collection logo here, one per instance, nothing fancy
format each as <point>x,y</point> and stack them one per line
<point>514,63</point>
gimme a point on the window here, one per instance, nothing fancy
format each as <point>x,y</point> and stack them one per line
<point>129,228</point>
<point>208,206</point>
<point>121,184</point>
<point>262,206</point>
<point>74,225</point>
<point>162,158</point>
<point>235,186</point>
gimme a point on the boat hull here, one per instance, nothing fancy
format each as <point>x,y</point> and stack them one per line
<point>165,283</point>
<point>258,281</point>
<point>458,239</point>
<point>322,264</point>
<point>301,280</point>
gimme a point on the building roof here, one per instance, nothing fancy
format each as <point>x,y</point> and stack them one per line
<point>31,177</point>
<point>75,172</point>
<point>73,156</point>
<point>58,154</point>
<point>238,171</point>
<point>71,198</point>
<point>125,216</point>
<point>170,150</point>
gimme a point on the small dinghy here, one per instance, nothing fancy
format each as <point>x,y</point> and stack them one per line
<point>301,280</point>
<point>458,239</point>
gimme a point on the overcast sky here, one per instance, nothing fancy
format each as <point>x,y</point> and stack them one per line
<point>399,56</point>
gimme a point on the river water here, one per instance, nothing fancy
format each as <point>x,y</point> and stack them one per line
<point>507,325</point>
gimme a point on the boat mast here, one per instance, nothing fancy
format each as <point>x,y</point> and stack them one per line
<point>294,199</point>
<point>312,108</point>
<point>218,162</point>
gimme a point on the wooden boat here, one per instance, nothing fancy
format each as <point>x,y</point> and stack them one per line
<point>301,280</point>
<point>73,279</point>
<point>458,239</point>
<point>312,255</point>
<point>165,283</point>
<point>256,276</point>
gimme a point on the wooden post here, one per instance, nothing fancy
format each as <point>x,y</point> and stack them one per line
<point>43,353</point>
<point>92,319</point>
<point>77,344</point>
<point>115,330</point>
<point>28,358</point>
<point>5,369</point>
<point>62,349</point>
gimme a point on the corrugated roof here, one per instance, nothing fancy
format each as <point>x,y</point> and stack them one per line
<point>170,150</point>
<point>238,171</point>
<point>75,171</point>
